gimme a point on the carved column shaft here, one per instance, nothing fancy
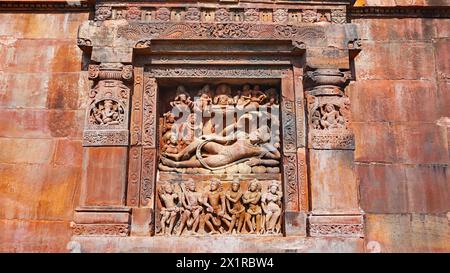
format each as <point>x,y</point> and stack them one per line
<point>102,209</point>
<point>142,163</point>
<point>335,210</point>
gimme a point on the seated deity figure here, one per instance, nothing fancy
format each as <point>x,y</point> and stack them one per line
<point>315,120</point>
<point>110,114</point>
<point>271,204</point>
<point>257,96</point>
<point>329,117</point>
<point>252,199</point>
<point>169,210</point>
<point>215,214</point>
<point>96,116</point>
<point>226,151</point>
<point>171,144</point>
<point>204,98</point>
<point>223,95</point>
<point>272,97</point>
<point>182,98</point>
<point>235,207</point>
<point>192,204</point>
<point>244,97</point>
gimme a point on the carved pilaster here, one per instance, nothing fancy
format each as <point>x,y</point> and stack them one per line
<point>328,110</point>
<point>107,114</point>
<point>149,112</point>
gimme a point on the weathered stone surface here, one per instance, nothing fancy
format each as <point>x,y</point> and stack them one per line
<point>420,143</point>
<point>41,123</point>
<point>41,25</point>
<point>428,189</point>
<point>407,233</point>
<point>333,190</point>
<point>394,101</point>
<point>34,236</point>
<point>105,176</point>
<point>38,191</point>
<point>406,29</point>
<point>395,61</point>
<point>383,188</point>
<point>374,142</point>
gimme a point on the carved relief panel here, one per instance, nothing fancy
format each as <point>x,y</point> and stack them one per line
<point>220,153</point>
<point>328,110</point>
<point>107,114</point>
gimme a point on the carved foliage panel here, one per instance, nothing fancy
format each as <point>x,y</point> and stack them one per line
<point>149,112</point>
<point>148,175</point>
<point>291,181</point>
<point>136,108</point>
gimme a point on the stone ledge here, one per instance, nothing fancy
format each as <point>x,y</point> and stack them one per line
<point>217,244</point>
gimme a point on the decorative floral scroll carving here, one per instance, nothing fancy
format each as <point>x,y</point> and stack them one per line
<point>147,176</point>
<point>101,229</point>
<point>149,112</point>
<point>224,30</point>
<point>228,72</point>
<point>300,128</point>
<point>333,230</point>
<point>289,131</point>
<point>290,181</point>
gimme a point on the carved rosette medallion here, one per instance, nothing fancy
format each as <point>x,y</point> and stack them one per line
<point>108,112</point>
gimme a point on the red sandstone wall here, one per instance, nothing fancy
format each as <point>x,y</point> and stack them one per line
<point>402,90</point>
<point>41,120</point>
<point>402,155</point>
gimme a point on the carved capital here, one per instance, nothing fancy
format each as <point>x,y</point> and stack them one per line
<point>326,81</point>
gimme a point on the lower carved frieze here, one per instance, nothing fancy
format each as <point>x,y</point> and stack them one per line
<point>105,138</point>
<point>101,229</point>
<point>185,209</point>
<point>334,139</point>
<point>333,230</point>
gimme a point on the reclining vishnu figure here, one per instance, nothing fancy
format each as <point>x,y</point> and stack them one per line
<point>254,148</point>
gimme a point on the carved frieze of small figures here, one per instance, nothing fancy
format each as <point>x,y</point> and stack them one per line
<point>185,210</point>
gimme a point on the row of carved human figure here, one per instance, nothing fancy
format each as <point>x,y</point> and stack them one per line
<point>223,96</point>
<point>231,212</point>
